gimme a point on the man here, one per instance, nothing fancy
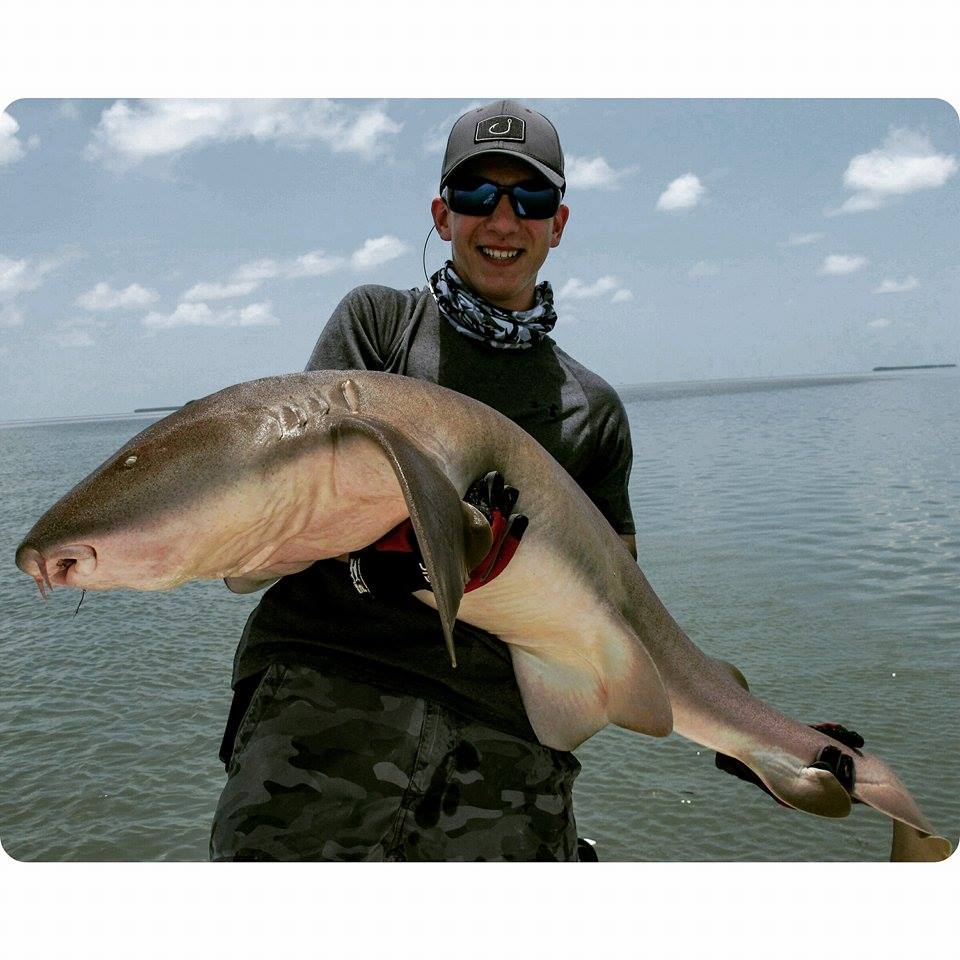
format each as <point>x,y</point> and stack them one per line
<point>350,736</point>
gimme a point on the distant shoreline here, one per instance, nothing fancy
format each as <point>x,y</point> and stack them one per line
<point>659,389</point>
<point>917,366</point>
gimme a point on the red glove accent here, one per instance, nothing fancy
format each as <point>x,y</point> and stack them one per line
<point>401,539</point>
<point>507,534</point>
<point>495,501</point>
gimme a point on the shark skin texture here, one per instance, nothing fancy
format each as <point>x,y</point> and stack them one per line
<point>266,477</point>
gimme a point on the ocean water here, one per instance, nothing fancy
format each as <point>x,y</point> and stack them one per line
<point>806,529</point>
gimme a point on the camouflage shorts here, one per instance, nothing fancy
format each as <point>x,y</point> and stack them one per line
<point>326,768</point>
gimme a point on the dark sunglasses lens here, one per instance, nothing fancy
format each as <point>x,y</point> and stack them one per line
<point>474,199</point>
<point>536,203</point>
<point>479,198</point>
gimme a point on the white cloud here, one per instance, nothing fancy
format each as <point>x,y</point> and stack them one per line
<point>11,149</point>
<point>249,276</point>
<point>858,203</point>
<point>104,297</point>
<point>576,289</point>
<point>436,138</point>
<point>200,315</point>
<point>19,276</point>
<point>69,110</point>
<point>802,239</point>
<point>376,251</point>
<point>220,291</point>
<point>131,133</point>
<point>703,268</point>
<point>257,270</point>
<point>197,314</point>
<point>593,173</point>
<point>684,193</point>
<point>257,314</point>
<point>898,286</point>
<point>13,276</point>
<point>10,316</point>
<point>907,162</point>
<point>317,263</point>
<point>363,134</point>
<point>840,263</point>
<point>313,263</point>
<point>879,324</point>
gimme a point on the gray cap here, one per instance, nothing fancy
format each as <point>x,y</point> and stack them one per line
<point>507,127</point>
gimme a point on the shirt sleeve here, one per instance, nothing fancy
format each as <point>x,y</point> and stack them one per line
<point>607,479</point>
<point>358,333</point>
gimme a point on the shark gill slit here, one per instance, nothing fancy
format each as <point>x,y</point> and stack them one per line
<point>351,395</point>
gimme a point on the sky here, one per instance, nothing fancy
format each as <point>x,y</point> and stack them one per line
<point>152,252</point>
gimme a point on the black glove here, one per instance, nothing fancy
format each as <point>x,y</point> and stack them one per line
<point>495,501</point>
<point>834,760</point>
<point>394,567</point>
<point>391,567</point>
<point>849,738</point>
<point>829,758</point>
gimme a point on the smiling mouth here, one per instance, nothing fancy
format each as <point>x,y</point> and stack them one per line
<point>499,255</point>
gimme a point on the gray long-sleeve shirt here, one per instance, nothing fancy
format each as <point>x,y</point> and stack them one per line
<point>317,617</point>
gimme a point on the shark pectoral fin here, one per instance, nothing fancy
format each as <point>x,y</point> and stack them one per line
<point>450,533</point>
<point>636,696</point>
<point>569,696</point>
<point>910,845</point>
<point>563,696</point>
<point>809,789</point>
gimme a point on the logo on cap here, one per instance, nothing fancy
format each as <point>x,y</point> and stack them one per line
<point>501,128</point>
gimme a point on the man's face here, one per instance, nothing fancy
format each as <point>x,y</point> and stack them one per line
<point>498,256</point>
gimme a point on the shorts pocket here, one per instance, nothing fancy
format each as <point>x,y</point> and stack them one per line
<point>246,710</point>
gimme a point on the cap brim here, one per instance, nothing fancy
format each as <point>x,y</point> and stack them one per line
<point>551,175</point>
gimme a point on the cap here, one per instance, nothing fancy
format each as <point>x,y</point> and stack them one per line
<point>506,127</point>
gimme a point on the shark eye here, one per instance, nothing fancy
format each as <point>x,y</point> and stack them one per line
<point>129,462</point>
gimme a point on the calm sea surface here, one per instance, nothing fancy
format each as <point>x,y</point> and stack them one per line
<point>807,530</point>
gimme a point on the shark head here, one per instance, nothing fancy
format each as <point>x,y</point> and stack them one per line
<point>184,499</point>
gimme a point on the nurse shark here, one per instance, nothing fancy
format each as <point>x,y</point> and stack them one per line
<point>266,477</point>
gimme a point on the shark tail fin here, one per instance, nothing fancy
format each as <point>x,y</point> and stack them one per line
<point>913,835</point>
<point>910,844</point>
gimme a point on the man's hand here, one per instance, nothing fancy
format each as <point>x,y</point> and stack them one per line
<point>495,501</point>
<point>829,758</point>
<point>393,566</point>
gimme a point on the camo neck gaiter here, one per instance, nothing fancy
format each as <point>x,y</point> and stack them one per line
<point>479,319</point>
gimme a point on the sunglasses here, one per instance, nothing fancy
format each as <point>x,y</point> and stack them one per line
<point>476,197</point>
